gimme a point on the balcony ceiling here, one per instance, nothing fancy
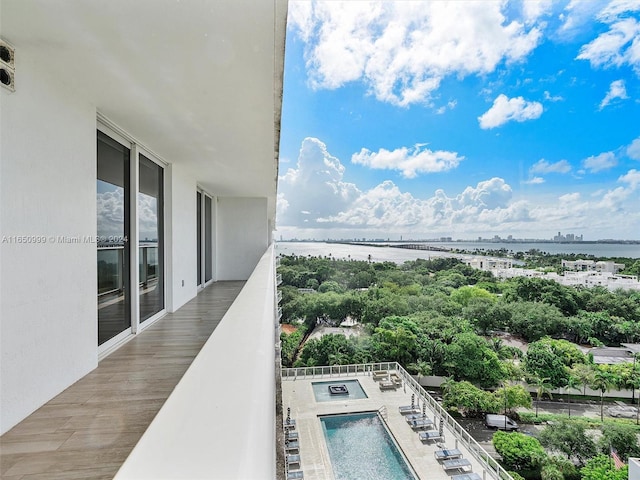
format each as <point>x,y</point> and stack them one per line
<point>199,82</point>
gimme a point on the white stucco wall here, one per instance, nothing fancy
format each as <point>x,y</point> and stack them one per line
<point>242,234</point>
<point>634,469</point>
<point>48,319</point>
<point>181,236</point>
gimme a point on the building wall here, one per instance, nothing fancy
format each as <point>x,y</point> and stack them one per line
<point>48,319</point>
<point>242,236</point>
<point>181,238</point>
<point>634,469</point>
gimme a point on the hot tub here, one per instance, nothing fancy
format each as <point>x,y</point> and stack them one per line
<point>338,389</point>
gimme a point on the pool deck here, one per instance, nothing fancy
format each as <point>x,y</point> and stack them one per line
<point>298,396</point>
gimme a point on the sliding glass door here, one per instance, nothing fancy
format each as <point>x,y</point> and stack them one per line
<point>208,239</point>
<point>204,221</point>
<point>113,212</point>
<point>199,237</point>
<point>130,238</point>
<point>150,238</point>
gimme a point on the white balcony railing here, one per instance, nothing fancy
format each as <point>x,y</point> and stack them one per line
<point>219,422</point>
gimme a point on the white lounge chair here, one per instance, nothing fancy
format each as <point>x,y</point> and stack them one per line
<point>456,464</point>
<point>430,435</point>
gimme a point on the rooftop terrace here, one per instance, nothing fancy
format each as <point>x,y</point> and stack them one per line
<point>298,396</point>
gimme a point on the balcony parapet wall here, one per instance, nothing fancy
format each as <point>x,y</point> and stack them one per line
<point>219,422</point>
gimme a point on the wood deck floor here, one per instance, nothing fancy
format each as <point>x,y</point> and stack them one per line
<point>88,430</point>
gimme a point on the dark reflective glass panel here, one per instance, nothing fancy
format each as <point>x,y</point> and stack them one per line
<point>150,238</point>
<point>199,235</point>
<point>112,204</point>
<point>208,240</point>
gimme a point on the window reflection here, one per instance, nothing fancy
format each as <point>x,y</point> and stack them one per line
<point>112,208</point>
<point>150,236</point>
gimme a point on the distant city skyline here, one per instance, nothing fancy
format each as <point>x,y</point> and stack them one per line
<point>480,239</point>
<point>461,119</point>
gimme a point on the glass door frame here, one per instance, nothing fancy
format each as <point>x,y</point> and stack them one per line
<point>202,244</point>
<point>135,150</point>
<point>141,325</point>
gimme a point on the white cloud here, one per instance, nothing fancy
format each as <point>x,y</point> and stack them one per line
<point>542,166</point>
<point>551,98</point>
<point>314,195</point>
<point>494,193</point>
<point>632,177</point>
<point>449,106</point>
<point>616,200</point>
<point>533,9</point>
<point>314,188</point>
<point>620,44</point>
<point>381,207</point>
<point>505,109</point>
<point>569,197</point>
<point>534,181</point>
<point>597,163</point>
<point>578,13</point>
<point>617,7</point>
<point>633,150</point>
<point>110,210</point>
<point>612,200</point>
<point>617,89</point>
<point>403,50</point>
<point>147,216</point>
<point>410,161</point>
<point>315,201</point>
<point>386,207</point>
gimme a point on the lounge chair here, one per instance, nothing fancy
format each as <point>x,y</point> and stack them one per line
<point>408,409</point>
<point>447,454</point>
<point>293,459</point>
<point>457,464</point>
<point>295,474</point>
<point>291,435</point>
<point>388,385</point>
<point>380,375</point>
<point>421,424</point>
<point>430,435</point>
<point>292,447</point>
<point>413,416</point>
<point>466,476</point>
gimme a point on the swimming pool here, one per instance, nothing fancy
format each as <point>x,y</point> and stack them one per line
<point>361,447</point>
<point>322,394</point>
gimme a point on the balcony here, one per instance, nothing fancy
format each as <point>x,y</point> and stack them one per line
<point>175,371</point>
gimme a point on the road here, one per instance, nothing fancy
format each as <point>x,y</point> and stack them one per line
<point>483,435</point>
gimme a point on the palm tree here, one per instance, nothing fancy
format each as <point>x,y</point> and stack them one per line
<point>602,381</point>
<point>572,383</point>
<point>446,385</point>
<point>584,373</point>
<point>633,381</point>
<point>423,368</point>
<point>542,386</point>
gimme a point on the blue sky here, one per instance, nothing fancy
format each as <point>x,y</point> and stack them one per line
<point>461,119</point>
